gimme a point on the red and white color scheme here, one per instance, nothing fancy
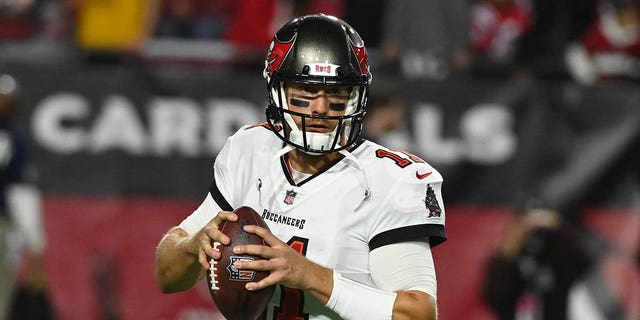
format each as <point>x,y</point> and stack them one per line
<point>610,48</point>
<point>496,28</point>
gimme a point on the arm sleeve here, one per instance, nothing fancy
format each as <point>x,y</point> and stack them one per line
<point>353,300</point>
<point>416,272</point>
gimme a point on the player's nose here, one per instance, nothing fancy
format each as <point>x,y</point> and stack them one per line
<point>320,105</point>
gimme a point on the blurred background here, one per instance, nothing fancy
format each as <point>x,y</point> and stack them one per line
<point>529,108</point>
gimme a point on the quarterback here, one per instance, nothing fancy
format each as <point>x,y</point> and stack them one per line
<point>352,223</point>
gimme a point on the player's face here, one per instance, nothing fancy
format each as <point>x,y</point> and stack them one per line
<point>317,100</point>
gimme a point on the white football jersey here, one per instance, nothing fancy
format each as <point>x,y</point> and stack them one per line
<point>334,217</point>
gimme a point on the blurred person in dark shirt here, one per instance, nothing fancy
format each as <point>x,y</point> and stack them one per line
<point>533,268</point>
<point>194,19</point>
<point>21,271</point>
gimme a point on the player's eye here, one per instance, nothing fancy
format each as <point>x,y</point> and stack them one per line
<point>337,106</point>
<point>299,102</point>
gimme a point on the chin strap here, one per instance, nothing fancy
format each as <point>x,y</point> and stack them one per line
<point>365,181</point>
<point>282,151</point>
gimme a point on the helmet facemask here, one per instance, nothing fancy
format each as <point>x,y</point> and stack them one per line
<point>321,51</point>
<point>344,134</point>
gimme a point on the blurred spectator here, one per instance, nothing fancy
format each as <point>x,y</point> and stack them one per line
<point>386,122</point>
<point>532,270</point>
<point>610,49</point>
<point>114,26</point>
<point>53,20</point>
<point>20,212</point>
<point>254,22</point>
<point>555,24</point>
<point>427,38</point>
<point>17,19</point>
<point>194,19</point>
<point>495,29</point>
<point>29,19</point>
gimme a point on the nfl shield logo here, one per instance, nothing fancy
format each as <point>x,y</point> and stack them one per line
<point>236,274</point>
<point>290,196</point>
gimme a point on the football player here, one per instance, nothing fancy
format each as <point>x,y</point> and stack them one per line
<point>352,222</point>
<point>20,208</point>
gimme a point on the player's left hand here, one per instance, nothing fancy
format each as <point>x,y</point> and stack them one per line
<point>286,266</point>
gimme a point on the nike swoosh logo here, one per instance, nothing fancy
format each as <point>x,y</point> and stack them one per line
<point>422,176</point>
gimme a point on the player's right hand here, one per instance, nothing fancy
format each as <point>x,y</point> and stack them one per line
<point>209,234</point>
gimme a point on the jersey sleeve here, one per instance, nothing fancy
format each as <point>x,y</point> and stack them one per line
<point>232,168</point>
<point>220,187</point>
<point>225,185</point>
<point>201,216</point>
<point>216,199</point>
<point>410,209</point>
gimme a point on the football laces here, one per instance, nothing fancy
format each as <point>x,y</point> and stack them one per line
<point>213,269</point>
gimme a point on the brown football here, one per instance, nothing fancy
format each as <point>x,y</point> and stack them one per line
<point>226,283</point>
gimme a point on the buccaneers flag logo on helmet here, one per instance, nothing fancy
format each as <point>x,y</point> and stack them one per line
<point>276,54</point>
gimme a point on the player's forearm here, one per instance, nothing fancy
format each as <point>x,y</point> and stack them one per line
<point>353,300</point>
<point>319,282</point>
<point>177,268</point>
